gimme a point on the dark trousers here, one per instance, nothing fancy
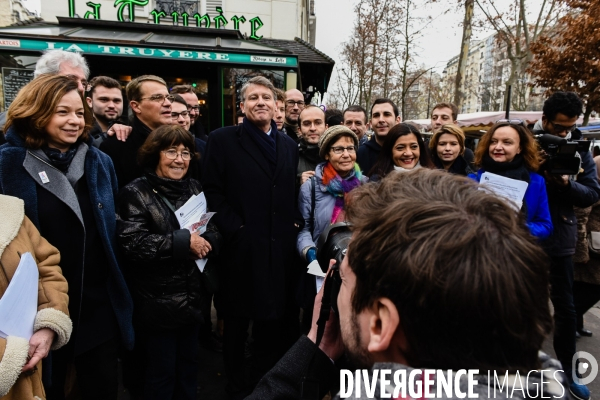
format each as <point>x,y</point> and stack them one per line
<point>171,363</point>
<point>96,372</point>
<point>565,318</point>
<point>585,296</point>
<point>272,339</point>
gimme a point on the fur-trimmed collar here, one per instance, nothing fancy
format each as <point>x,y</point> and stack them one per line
<point>12,210</point>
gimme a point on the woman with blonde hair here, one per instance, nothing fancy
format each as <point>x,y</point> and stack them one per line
<point>508,149</point>
<point>447,147</point>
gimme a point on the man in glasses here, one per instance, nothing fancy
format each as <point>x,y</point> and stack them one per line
<point>294,104</point>
<point>191,99</point>
<point>559,118</point>
<point>150,102</point>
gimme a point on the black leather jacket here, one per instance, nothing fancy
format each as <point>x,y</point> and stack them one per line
<point>164,281</point>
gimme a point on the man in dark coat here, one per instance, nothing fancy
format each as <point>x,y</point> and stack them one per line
<point>248,180</point>
<point>355,118</point>
<point>294,104</point>
<point>312,125</point>
<point>384,115</point>
<point>150,101</point>
<point>188,93</point>
<point>106,102</point>
<point>560,114</point>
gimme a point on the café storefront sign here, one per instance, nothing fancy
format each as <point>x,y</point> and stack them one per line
<point>126,12</point>
<point>148,52</point>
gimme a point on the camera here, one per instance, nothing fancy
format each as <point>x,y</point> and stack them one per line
<point>332,244</point>
<point>561,157</point>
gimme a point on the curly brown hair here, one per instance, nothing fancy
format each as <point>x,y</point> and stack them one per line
<point>529,146</point>
<point>161,139</point>
<point>35,106</point>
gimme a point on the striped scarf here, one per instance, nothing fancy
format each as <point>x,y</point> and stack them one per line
<point>339,187</point>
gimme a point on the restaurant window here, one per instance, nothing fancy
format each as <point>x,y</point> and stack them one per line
<point>234,79</point>
<point>16,70</point>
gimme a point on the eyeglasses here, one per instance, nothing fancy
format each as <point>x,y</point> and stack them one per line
<point>172,154</point>
<point>511,121</point>
<point>177,114</point>
<point>193,108</point>
<point>558,128</point>
<point>159,98</point>
<point>340,149</point>
<point>292,103</point>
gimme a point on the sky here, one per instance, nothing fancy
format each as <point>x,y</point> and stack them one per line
<point>440,43</point>
<point>441,39</point>
<point>34,5</point>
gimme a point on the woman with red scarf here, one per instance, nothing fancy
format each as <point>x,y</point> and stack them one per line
<point>322,198</point>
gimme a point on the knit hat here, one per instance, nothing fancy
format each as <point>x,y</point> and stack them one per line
<point>331,135</point>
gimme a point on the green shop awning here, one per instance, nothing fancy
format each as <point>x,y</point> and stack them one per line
<point>126,39</point>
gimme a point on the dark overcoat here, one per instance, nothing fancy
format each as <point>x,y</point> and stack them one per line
<point>257,215</point>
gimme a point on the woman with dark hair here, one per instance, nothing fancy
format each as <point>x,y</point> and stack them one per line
<point>403,150</point>
<point>447,147</point>
<point>163,277</point>
<point>69,187</point>
<point>508,149</point>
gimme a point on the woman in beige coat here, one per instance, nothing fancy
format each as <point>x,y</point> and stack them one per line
<point>20,361</point>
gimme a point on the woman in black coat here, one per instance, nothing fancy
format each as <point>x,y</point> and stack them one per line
<point>161,271</point>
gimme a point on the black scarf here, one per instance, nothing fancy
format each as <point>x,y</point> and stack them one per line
<point>266,143</point>
<point>59,159</point>
<point>460,166</point>
<point>514,169</point>
<point>309,151</point>
<point>177,192</point>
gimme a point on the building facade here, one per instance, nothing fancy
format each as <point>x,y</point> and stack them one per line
<point>13,11</point>
<point>484,85</point>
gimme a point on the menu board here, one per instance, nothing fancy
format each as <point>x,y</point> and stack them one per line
<point>13,79</point>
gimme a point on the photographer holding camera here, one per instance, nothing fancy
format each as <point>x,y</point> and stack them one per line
<point>559,118</point>
<point>438,274</point>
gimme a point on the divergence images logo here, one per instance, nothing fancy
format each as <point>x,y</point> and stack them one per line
<point>583,363</point>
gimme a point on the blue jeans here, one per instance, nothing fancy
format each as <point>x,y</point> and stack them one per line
<point>171,363</point>
<point>565,317</point>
